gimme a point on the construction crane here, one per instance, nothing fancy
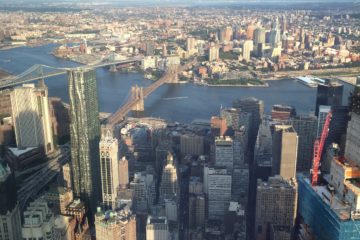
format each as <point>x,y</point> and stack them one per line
<point>318,149</point>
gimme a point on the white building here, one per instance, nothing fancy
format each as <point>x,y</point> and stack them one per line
<point>213,53</point>
<point>31,117</point>
<point>38,221</point>
<point>109,168</point>
<point>217,183</point>
<point>157,228</point>
<point>224,152</point>
<point>148,62</point>
<point>248,46</point>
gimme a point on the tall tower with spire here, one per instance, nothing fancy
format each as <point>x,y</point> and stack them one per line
<point>169,180</point>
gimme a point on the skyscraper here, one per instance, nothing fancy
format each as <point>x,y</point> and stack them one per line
<point>157,228</point>
<point>224,152</point>
<point>276,207</point>
<point>10,223</point>
<point>329,94</point>
<point>123,173</point>
<point>109,167</point>
<point>248,46</point>
<point>259,35</point>
<point>352,150</point>
<point>85,134</point>
<point>30,109</point>
<point>169,182</point>
<point>285,146</point>
<point>263,152</point>
<point>217,186</point>
<point>306,127</point>
<point>213,53</point>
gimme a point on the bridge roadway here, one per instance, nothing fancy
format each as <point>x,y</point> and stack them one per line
<point>120,114</point>
<point>36,182</point>
<point>36,72</point>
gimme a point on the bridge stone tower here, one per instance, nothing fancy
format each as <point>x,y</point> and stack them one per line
<point>173,70</point>
<point>137,94</point>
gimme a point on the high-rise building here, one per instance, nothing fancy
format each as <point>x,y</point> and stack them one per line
<point>191,45</point>
<point>123,173</point>
<point>169,180</point>
<point>85,135</point>
<point>250,32</point>
<point>259,35</point>
<point>276,206</point>
<point>213,53</point>
<point>31,116</point>
<point>247,48</point>
<point>329,95</point>
<point>10,223</point>
<point>226,34</point>
<point>281,113</point>
<point>150,49</point>
<point>285,147</point>
<point>256,108</point>
<point>352,149</point>
<point>263,152</point>
<point>157,228</point>
<point>191,144</point>
<point>38,221</point>
<point>305,127</point>
<point>275,35</point>
<point>109,168</point>
<point>323,112</point>
<point>236,118</point>
<point>120,224</point>
<point>224,152</point>
<point>66,174</point>
<point>218,126</point>
<point>217,186</point>
<point>197,211</point>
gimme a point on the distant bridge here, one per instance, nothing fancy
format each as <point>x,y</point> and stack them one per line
<point>137,94</point>
<point>40,71</point>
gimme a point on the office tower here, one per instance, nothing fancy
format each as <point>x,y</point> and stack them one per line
<point>235,221</point>
<point>66,175</point>
<point>226,34</point>
<point>150,50</point>
<point>236,118</point>
<point>169,179</point>
<point>164,50</point>
<point>120,224</point>
<point>247,48</point>
<point>157,228</point>
<point>240,184</point>
<point>197,210</point>
<point>5,103</point>
<point>329,95</point>
<point>190,45</point>
<point>276,206</point>
<point>240,144</point>
<point>259,36</point>
<point>123,173</point>
<point>218,126</point>
<point>143,187</point>
<point>282,113</point>
<point>213,53</point>
<point>275,37</point>
<point>191,144</point>
<point>109,168</point>
<point>224,152</point>
<point>263,152</point>
<point>256,108</point>
<point>285,147</point>
<point>305,127</point>
<point>323,112</point>
<point>85,134</point>
<point>31,116</point>
<point>10,223</point>
<point>250,32</point>
<point>217,186</point>
<point>38,221</point>
<point>354,100</point>
<point>352,149</point>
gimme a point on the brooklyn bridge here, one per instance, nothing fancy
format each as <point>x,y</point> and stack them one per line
<point>137,94</point>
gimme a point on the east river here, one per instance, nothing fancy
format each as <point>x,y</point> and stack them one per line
<point>181,102</point>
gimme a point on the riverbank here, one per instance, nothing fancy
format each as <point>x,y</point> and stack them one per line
<point>4,74</point>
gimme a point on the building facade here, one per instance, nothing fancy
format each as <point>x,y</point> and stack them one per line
<point>85,135</point>
<point>157,228</point>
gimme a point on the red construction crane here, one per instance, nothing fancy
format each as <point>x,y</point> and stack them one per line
<point>318,149</point>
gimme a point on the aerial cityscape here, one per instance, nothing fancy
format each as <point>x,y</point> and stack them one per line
<point>179,120</point>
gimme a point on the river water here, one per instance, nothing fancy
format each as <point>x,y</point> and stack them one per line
<point>181,102</point>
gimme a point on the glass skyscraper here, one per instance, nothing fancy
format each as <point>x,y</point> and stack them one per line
<point>85,135</point>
